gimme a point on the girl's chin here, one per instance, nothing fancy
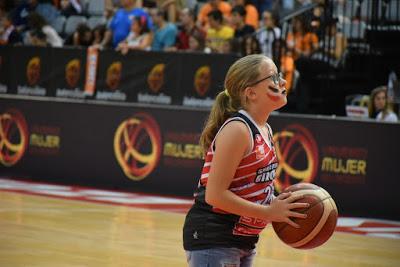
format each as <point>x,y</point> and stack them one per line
<point>281,103</point>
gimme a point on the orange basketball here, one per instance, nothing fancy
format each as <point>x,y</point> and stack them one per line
<point>321,219</point>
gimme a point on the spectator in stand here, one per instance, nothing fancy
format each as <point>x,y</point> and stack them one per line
<point>138,39</point>
<point>120,24</point>
<point>331,46</point>
<point>212,5</point>
<point>251,17</point>
<point>218,33</point>
<point>164,32</point>
<point>317,20</point>
<point>288,68</point>
<point>379,107</point>
<point>83,36</point>
<point>269,36</point>
<point>172,7</point>
<point>9,34</point>
<point>241,28</point>
<point>196,42</point>
<point>301,40</point>
<point>70,8</point>
<point>250,45</point>
<point>98,34</point>
<point>38,38</point>
<point>188,28</point>
<point>37,22</point>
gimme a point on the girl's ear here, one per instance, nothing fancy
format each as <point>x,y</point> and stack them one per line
<point>250,93</point>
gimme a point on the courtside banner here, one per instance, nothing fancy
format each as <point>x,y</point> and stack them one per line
<point>68,72</point>
<point>144,77</point>
<point>203,78</point>
<point>354,161</point>
<point>127,148</point>
<point>31,71</point>
<point>187,79</point>
<point>156,150</point>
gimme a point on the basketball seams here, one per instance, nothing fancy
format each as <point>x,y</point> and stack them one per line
<point>307,192</point>
<point>299,210</point>
<point>317,228</point>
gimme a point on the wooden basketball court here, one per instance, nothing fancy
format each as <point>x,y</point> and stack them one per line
<point>37,230</point>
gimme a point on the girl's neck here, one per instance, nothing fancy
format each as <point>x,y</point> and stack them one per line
<point>259,118</point>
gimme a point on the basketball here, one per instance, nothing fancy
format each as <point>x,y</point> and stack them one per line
<point>321,219</point>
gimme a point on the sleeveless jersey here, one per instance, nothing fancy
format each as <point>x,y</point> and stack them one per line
<point>207,226</point>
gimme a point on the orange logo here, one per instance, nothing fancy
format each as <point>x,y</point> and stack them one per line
<point>155,79</point>
<point>73,72</point>
<point>202,80</point>
<point>13,137</point>
<point>137,146</point>
<point>113,77</point>
<point>297,152</point>
<point>33,71</point>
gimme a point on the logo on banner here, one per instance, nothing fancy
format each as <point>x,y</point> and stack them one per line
<point>13,137</point>
<point>344,164</point>
<point>155,82</point>
<point>73,72</point>
<point>113,77</point>
<point>72,76</point>
<point>297,152</point>
<point>202,80</point>
<point>137,145</point>
<point>155,79</point>
<point>33,71</point>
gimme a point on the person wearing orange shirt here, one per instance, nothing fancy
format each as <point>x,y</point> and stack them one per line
<point>252,17</point>
<point>202,17</point>
<point>302,41</point>
<point>288,69</point>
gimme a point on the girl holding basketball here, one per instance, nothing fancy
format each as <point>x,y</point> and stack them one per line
<point>235,199</point>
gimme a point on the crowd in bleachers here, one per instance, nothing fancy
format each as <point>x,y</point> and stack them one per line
<point>314,42</point>
<point>213,26</point>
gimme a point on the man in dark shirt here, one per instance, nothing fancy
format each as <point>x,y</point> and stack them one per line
<point>10,35</point>
<point>241,29</point>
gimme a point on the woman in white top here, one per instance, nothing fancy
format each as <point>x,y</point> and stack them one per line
<point>139,37</point>
<point>379,107</point>
<point>37,22</point>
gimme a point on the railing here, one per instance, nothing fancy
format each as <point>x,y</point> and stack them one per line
<point>369,31</point>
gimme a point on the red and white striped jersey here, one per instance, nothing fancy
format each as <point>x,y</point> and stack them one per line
<point>253,181</point>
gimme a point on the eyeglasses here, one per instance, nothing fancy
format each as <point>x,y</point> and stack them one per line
<point>276,79</point>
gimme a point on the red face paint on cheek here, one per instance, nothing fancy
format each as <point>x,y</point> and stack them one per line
<point>274,97</point>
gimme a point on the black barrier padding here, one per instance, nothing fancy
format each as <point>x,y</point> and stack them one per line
<point>73,143</point>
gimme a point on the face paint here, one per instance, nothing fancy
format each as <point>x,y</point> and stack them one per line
<point>275,94</point>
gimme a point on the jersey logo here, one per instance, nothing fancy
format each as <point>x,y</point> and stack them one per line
<point>266,174</point>
<point>260,152</point>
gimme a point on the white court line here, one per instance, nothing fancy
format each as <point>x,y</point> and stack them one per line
<point>378,229</point>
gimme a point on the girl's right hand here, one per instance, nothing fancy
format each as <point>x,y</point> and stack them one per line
<point>281,208</point>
